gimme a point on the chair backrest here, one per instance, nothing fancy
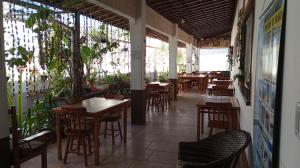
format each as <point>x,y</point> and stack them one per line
<point>222,90</point>
<point>152,87</point>
<point>222,82</point>
<point>220,112</point>
<point>221,150</point>
<point>75,118</point>
<point>223,77</point>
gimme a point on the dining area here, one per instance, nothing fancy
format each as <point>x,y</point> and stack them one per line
<point>93,111</point>
<point>98,131</point>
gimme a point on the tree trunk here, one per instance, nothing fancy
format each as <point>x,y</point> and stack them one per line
<point>77,68</point>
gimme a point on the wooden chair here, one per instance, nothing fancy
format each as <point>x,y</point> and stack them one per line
<point>220,115</point>
<point>165,96</point>
<point>222,82</point>
<point>77,128</point>
<point>113,118</point>
<point>23,149</point>
<point>222,90</point>
<point>223,77</point>
<point>203,82</point>
<point>154,96</point>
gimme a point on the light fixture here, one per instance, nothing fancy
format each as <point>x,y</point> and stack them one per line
<point>182,21</point>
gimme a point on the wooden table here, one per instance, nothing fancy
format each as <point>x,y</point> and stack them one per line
<point>96,108</point>
<point>216,80</point>
<point>216,99</point>
<point>192,76</point>
<point>210,88</point>
<point>165,86</point>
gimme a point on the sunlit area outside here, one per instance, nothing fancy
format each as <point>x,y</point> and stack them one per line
<point>181,59</point>
<point>214,59</point>
<point>157,58</point>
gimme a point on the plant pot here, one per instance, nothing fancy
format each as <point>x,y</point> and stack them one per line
<point>241,84</point>
<point>103,40</point>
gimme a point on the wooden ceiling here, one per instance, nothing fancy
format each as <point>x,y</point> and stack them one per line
<point>99,13</point>
<point>154,34</point>
<point>91,10</point>
<point>201,18</point>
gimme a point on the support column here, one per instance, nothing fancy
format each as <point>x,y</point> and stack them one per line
<point>77,67</point>
<point>189,58</point>
<point>4,133</point>
<point>173,59</point>
<point>197,63</point>
<point>137,76</point>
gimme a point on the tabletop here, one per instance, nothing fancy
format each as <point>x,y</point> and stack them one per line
<point>210,86</point>
<point>215,80</point>
<point>163,84</point>
<point>218,99</point>
<point>193,75</point>
<point>98,104</point>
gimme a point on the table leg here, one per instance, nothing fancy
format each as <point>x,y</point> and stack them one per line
<point>58,137</point>
<point>97,126</point>
<point>198,125</point>
<point>202,123</point>
<point>125,124</point>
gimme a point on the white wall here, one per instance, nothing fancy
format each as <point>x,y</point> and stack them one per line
<point>290,145</point>
<point>246,113</point>
<point>3,97</point>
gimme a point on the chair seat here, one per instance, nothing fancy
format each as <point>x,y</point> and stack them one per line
<point>83,132</point>
<point>218,151</point>
<point>219,124</point>
<point>30,148</point>
<point>112,117</point>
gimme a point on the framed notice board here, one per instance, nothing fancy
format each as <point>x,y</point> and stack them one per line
<point>268,85</point>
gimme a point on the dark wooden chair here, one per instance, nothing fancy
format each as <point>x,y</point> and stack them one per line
<point>222,90</point>
<point>154,97</point>
<point>220,115</point>
<point>222,82</point>
<point>77,128</point>
<point>219,151</point>
<point>112,118</point>
<point>222,77</point>
<point>23,149</point>
<point>203,82</point>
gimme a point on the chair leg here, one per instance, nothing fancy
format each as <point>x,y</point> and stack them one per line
<point>84,150</point>
<point>44,158</point>
<point>202,123</point>
<point>210,131</point>
<point>78,145</point>
<point>90,144</point>
<point>67,149</point>
<point>112,133</point>
<point>17,165</point>
<point>105,129</point>
<point>120,130</point>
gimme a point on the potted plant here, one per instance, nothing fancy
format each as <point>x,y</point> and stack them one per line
<point>239,77</point>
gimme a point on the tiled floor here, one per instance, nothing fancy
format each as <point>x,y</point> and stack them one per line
<point>154,145</point>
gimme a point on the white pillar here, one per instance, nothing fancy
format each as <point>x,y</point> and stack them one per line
<point>137,75</point>
<point>173,53</point>
<point>197,59</point>
<point>4,133</point>
<point>138,49</point>
<point>189,58</point>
